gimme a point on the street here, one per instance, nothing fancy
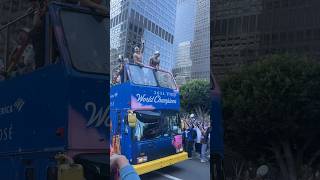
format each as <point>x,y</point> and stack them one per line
<point>187,170</point>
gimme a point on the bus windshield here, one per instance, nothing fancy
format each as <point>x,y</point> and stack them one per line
<point>165,79</point>
<point>153,124</point>
<point>148,125</point>
<point>142,75</point>
<point>171,123</point>
<point>87,45</point>
<point>150,77</point>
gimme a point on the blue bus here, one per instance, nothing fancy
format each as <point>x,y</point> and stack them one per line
<point>144,114</point>
<point>54,120</point>
<point>216,144</point>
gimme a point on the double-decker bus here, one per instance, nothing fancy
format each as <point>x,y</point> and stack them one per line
<point>216,144</point>
<point>54,120</point>
<point>144,113</point>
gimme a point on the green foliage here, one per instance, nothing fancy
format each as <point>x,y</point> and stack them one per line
<point>274,100</point>
<point>195,94</point>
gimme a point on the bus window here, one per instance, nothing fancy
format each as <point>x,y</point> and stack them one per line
<point>171,124</point>
<point>142,75</point>
<point>165,79</point>
<point>87,45</point>
<point>148,125</point>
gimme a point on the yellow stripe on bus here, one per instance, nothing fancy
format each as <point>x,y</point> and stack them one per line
<point>160,163</point>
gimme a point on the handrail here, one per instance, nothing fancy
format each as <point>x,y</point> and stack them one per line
<point>29,12</point>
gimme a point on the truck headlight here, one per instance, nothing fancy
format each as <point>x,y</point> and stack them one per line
<point>142,159</point>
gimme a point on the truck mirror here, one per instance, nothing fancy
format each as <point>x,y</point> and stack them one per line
<point>132,119</point>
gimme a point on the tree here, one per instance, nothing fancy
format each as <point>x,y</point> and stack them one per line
<point>271,110</point>
<point>195,94</point>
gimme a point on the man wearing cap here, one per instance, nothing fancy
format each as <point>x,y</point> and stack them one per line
<point>155,60</point>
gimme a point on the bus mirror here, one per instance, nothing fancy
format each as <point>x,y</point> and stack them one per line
<point>132,119</point>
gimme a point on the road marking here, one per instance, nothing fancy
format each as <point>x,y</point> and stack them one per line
<point>168,176</point>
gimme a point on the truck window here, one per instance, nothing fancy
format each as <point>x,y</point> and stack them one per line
<point>87,45</point>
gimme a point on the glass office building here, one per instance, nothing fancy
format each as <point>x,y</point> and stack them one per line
<point>200,50</point>
<point>184,32</point>
<point>153,21</point>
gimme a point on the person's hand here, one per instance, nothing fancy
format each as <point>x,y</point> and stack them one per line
<point>118,161</point>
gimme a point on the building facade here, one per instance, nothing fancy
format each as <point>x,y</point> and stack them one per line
<point>200,49</point>
<point>184,33</point>
<point>246,30</point>
<point>134,20</point>
<point>182,70</point>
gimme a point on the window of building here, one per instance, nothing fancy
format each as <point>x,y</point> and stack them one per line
<point>157,30</point>
<point>145,22</point>
<point>252,24</point>
<point>149,25</point>
<point>245,24</point>
<point>153,27</point>
<point>135,29</point>
<point>132,13</point>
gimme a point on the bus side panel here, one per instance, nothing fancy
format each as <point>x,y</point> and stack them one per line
<point>88,114</point>
<point>32,110</point>
<point>8,167</point>
<point>120,96</point>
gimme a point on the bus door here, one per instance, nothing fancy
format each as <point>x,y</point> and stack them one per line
<point>126,136</point>
<point>28,170</point>
<point>116,131</point>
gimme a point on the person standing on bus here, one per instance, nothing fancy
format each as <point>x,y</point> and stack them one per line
<point>138,53</point>
<point>2,70</point>
<point>37,33</point>
<point>22,59</point>
<point>155,60</point>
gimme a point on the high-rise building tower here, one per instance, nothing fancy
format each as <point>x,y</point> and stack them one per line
<point>153,21</point>
<point>184,33</point>
<point>200,50</point>
<point>246,30</point>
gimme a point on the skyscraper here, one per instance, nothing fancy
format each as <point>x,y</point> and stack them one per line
<point>200,49</point>
<point>153,21</point>
<point>245,31</point>
<point>184,33</point>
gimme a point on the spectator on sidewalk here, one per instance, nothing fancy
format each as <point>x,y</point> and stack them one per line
<point>184,139</point>
<point>204,144</point>
<point>198,139</point>
<point>190,141</point>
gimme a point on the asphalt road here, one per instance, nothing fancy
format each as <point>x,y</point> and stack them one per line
<point>187,170</point>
